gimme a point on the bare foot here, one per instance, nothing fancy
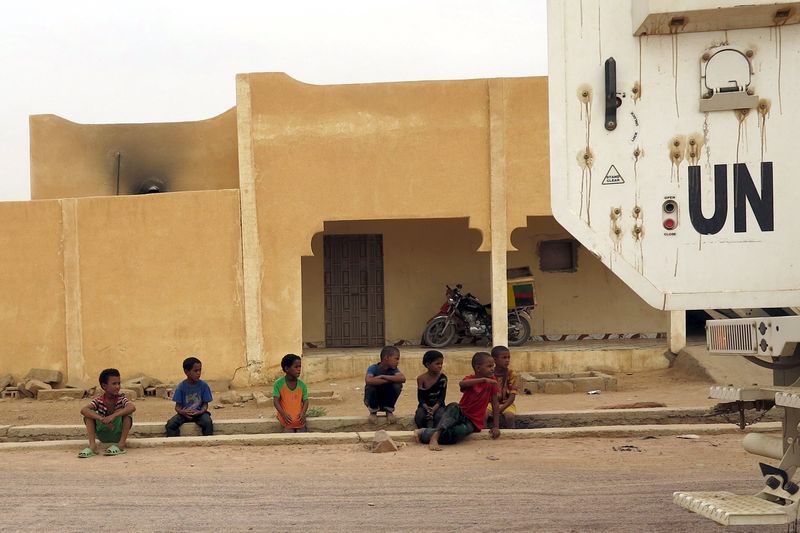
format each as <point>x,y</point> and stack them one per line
<point>373,418</point>
<point>418,435</point>
<point>434,446</point>
<point>390,418</point>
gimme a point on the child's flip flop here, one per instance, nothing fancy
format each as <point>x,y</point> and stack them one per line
<point>86,452</point>
<point>114,450</point>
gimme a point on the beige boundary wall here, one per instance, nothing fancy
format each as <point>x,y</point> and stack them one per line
<point>76,160</point>
<point>32,305</point>
<point>132,282</point>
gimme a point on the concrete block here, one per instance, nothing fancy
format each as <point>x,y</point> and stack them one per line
<point>57,394</point>
<point>219,385</point>
<point>6,381</point>
<point>156,391</point>
<point>323,397</point>
<point>586,384</point>
<point>247,396</point>
<point>144,381</point>
<point>78,384</point>
<point>261,399</point>
<point>609,382</point>
<point>10,392</point>
<point>527,381</point>
<point>382,442</point>
<point>136,387</point>
<point>128,393</point>
<point>23,392</point>
<point>230,397</point>
<point>34,385</point>
<point>44,375</point>
<point>558,387</point>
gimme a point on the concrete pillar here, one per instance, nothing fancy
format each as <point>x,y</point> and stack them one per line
<point>251,246</point>
<point>497,213</point>
<point>282,297</point>
<point>76,364</point>
<point>677,331</point>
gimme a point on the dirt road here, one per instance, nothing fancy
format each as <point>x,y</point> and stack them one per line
<point>543,485</point>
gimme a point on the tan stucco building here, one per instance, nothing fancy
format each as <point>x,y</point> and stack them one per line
<point>305,216</point>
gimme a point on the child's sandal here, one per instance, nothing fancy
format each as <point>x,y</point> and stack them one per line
<point>86,453</point>
<point>114,450</point>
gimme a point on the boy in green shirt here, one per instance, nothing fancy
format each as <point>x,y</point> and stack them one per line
<point>290,396</point>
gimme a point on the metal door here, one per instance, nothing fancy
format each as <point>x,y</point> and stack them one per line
<point>354,290</point>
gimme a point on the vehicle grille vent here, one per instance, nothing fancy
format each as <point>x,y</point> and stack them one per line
<point>735,337</point>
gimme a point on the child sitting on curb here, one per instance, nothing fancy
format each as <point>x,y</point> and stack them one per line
<point>431,391</point>
<point>108,417</point>
<point>191,397</point>
<point>507,380</point>
<point>290,396</point>
<point>383,385</point>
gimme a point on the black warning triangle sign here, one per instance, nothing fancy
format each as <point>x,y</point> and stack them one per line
<point>613,176</point>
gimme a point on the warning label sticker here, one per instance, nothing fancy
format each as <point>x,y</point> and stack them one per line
<point>612,177</point>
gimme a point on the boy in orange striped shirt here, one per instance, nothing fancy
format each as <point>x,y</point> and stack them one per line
<point>290,396</point>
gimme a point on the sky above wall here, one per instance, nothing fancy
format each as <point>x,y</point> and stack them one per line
<point>147,61</point>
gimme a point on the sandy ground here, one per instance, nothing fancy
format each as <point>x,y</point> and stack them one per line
<point>672,387</point>
<point>571,485</point>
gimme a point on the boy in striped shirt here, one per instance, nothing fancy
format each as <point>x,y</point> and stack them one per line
<point>290,396</point>
<point>108,417</point>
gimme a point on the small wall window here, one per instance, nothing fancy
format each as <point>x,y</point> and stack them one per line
<point>558,256</point>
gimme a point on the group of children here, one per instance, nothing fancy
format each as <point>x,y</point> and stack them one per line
<point>487,395</point>
<point>109,417</point>
<point>491,389</point>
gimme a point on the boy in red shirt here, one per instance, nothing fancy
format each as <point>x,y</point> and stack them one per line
<point>469,415</point>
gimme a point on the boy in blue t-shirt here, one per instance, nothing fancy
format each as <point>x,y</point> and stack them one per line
<point>191,398</point>
<point>383,385</point>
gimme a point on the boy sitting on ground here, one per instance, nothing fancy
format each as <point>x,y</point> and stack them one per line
<point>383,385</point>
<point>431,391</point>
<point>467,416</point>
<point>108,417</point>
<point>507,380</point>
<point>290,396</point>
<point>191,397</point>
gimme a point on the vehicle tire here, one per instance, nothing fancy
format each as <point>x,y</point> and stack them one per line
<point>519,330</point>
<point>440,332</point>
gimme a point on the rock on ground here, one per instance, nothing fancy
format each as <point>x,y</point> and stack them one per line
<point>382,442</point>
<point>45,375</point>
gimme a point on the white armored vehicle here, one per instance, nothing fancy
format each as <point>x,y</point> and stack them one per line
<point>674,133</point>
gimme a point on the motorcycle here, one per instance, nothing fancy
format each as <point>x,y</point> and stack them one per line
<point>463,315</point>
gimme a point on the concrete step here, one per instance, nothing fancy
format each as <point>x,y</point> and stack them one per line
<point>365,437</point>
<point>610,356</point>
<point>330,424</point>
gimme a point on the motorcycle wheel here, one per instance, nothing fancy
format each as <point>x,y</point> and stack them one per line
<point>439,333</point>
<point>519,330</point>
